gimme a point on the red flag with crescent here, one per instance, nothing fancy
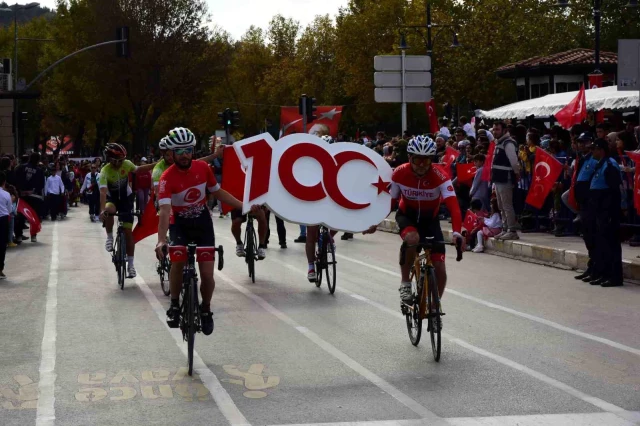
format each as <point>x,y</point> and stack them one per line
<point>545,173</point>
<point>29,212</point>
<point>148,223</point>
<point>433,116</point>
<point>466,173</point>
<point>326,123</point>
<point>488,161</point>
<point>450,155</point>
<point>575,112</point>
<point>470,221</point>
<point>233,176</point>
<point>635,157</point>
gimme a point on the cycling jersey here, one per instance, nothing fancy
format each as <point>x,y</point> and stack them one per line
<point>158,170</point>
<point>424,194</point>
<point>186,190</point>
<point>117,180</point>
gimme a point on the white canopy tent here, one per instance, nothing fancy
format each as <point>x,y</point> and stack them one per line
<point>597,99</point>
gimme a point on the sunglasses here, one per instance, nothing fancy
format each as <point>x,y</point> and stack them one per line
<point>183,151</point>
<point>421,160</point>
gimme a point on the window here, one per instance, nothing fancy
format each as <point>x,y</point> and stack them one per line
<point>539,90</point>
<point>521,93</point>
<point>574,87</point>
<point>561,88</point>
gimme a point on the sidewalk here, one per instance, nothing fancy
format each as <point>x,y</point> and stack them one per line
<point>561,252</point>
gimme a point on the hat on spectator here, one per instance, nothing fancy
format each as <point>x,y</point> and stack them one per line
<point>601,144</point>
<point>463,143</point>
<point>544,142</point>
<point>144,159</point>
<point>585,137</point>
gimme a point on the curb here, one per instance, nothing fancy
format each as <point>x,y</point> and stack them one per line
<point>550,256</point>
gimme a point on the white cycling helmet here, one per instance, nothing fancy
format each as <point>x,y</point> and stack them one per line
<point>180,138</point>
<point>327,139</point>
<point>163,143</point>
<point>422,145</point>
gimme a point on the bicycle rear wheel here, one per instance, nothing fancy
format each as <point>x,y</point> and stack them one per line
<point>122,255</point>
<point>330,267</point>
<point>163,273</point>
<point>434,314</point>
<point>321,261</point>
<point>250,250</point>
<point>413,314</point>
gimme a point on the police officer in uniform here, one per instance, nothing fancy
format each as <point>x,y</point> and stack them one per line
<point>585,168</point>
<point>604,206</point>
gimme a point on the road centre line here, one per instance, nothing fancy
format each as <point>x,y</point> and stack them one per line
<point>210,381</point>
<point>530,317</point>
<point>46,412</point>
<point>601,404</point>
<point>385,386</point>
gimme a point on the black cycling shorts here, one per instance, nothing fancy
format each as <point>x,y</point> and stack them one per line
<point>198,231</point>
<point>124,206</point>
<point>427,227</point>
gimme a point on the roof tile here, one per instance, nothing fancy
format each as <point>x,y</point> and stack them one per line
<point>570,57</point>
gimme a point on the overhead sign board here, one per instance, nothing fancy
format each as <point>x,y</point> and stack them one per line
<point>629,65</point>
<point>394,63</point>
<point>394,79</point>
<point>411,95</point>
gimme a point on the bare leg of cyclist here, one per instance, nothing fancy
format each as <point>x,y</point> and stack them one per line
<point>207,285</point>
<point>263,227</point>
<point>236,231</point>
<point>310,248</point>
<point>411,239</point>
<point>108,226</point>
<point>175,285</point>
<point>131,246</point>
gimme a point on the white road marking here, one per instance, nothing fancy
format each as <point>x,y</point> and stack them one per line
<point>582,419</point>
<point>601,404</point>
<point>404,399</point>
<point>46,412</point>
<point>530,317</point>
<point>211,382</point>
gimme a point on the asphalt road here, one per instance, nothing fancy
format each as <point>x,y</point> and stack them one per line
<point>524,344</point>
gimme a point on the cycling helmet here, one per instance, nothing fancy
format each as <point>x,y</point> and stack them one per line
<point>115,151</point>
<point>180,138</point>
<point>327,139</point>
<point>422,145</point>
<point>163,143</point>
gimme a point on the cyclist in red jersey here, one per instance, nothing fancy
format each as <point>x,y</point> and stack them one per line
<point>183,190</point>
<point>419,186</point>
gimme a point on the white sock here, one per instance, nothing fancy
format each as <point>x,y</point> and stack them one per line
<point>480,240</point>
<point>130,261</point>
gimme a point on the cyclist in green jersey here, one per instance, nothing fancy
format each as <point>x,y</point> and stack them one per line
<point>163,164</point>
<point>116,196</point>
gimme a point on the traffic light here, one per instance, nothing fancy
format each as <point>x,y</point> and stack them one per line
<point>122,49</point>
<point>235,119</point>
<point>311,109</point>
<point>221,119</point>
<point>302,104</point>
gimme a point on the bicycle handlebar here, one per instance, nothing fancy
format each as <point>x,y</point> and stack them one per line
<point>459,250</point>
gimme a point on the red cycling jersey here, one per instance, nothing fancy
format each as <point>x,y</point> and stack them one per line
<point>185,190</point>
<point>423,194</point>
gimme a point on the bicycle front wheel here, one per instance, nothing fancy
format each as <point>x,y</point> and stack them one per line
<point>163,272</point>
<point>413,314</point>
<point>330,267</point>
<point>434,315</point>
<point>191,302</point>
<point>122,249</point>
<point>321,261</point>
<point>250,250</point>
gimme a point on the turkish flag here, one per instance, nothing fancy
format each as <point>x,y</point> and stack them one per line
<point>595,82</point>
<point>470,221</point>
<point>466,172</point>
<point>326,123</point>
<point>233,176</point>
<point>545,173</point>
<point>450,155</point>
<point>635,157</point>
<point>575,112</point>
<point>29,212</point>
<point>433,116</point>
<point>486,170</point>
<point>148,223</point>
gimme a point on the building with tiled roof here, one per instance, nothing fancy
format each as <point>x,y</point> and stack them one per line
<point>558,73</point>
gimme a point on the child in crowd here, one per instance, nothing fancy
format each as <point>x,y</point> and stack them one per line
<point>491,227</point>
<point>473,229</point>
<point>479,188</point>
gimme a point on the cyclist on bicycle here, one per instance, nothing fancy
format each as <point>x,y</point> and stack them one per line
<point>116,197</point>
<point>182,190</point>
<point>420,186</point>
<point>237,219</point>
<point>313,232</point>
<point>162,165</point>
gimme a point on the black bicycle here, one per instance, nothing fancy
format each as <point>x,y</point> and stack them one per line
<point>190,305</point>
<point>426,297</point>
<point>163,267</point>
<point>251,247</point>
<point>326,259</point>
<point>119,251</point>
